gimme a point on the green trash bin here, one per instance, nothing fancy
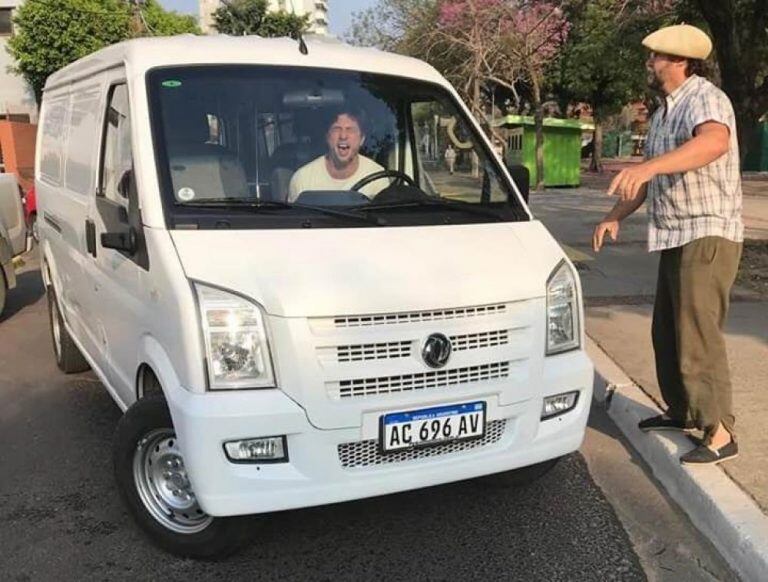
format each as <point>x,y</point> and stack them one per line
<point>562,147</point>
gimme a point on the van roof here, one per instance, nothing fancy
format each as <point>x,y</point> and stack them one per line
<point>139,55</point>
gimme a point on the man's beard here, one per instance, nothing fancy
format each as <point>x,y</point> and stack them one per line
<point>654,83</point>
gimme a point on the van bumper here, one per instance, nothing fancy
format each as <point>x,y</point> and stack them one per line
<point>315,474</point>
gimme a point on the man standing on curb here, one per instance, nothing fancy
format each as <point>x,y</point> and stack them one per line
<point>692,182</point>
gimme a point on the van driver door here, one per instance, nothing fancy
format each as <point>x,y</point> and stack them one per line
<point>115,263</point>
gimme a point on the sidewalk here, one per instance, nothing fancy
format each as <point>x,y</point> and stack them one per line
<point>619,285</point>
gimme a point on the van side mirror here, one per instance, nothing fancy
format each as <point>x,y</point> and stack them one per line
<point>126,241</point>
<point>124,185</point>
<point>522,179</point>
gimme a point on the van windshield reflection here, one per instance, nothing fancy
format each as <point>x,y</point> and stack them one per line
<point>306,138</point>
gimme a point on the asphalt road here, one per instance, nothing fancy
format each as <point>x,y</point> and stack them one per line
<point>61,519</point>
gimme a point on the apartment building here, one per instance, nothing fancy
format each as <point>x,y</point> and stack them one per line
<point>17,101</point>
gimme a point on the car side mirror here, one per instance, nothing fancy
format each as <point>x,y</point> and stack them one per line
<point>126,241</point>
<point>522,178</point>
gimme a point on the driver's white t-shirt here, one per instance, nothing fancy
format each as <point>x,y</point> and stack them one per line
<point>314,176</point>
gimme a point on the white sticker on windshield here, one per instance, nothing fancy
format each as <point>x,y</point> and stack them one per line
<point>186,194</point>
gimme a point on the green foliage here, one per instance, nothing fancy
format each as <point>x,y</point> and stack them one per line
<point>245,17</point>
<point>603,62</point>
<point>740,30</point>
<point>50,34</point>
<point>161,22</point>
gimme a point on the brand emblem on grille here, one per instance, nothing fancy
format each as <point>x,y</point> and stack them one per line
<point>436,350</point>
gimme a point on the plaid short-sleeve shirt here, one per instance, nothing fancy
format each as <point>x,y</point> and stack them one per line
<point>699,203</point>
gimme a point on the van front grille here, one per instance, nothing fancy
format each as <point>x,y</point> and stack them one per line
<point>361,454</point>
<point>476,341</point>
<point>419,316</point>
<point>404,348</point>
<point>420,381</point>
<point>382,351</point>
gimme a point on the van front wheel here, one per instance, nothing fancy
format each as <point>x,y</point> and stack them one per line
<point>152,479</point>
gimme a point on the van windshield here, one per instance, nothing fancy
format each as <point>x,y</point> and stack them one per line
<point>267,146</point>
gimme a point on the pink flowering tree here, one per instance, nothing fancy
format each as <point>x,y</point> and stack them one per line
<point>469,32</point>
<point>502,42</point>
<point>537,33</point>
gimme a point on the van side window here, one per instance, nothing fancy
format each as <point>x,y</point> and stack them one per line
<point>54,116</point>
<point>116,152</point>
<point>81,147</point>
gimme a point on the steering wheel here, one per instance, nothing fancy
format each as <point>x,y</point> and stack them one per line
<point>399,177</point>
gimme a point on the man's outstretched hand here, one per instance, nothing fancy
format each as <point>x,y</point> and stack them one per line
<point>611,227</point>
<point>629,182</point>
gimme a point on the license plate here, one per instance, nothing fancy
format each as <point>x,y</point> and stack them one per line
<point>429,426</point>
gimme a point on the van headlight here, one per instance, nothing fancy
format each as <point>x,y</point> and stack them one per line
<point>563,332</point>
<point>236,344</point>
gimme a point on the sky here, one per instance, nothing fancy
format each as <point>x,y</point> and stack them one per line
<point>339,11</point>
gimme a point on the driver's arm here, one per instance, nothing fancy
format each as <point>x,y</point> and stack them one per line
<point>294,187</point>
<point>371,190</point>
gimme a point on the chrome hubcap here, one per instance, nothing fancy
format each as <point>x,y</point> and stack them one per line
<point>163,485</point>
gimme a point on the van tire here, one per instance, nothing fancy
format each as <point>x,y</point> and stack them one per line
<point>69,359</point>
<point>34,228</point>
<point>519,477</point>
<point>144,438</point>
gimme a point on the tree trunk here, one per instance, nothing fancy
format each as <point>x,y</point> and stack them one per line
<point>596,165</point>
<point>538,121</point>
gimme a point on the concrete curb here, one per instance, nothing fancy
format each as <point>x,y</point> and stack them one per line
<point>726,515</point>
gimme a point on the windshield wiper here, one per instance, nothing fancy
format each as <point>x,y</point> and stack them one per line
<point>249,203</point>
<point>438,203</point>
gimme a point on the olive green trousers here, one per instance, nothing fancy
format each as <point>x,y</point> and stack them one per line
<point>692,297</point>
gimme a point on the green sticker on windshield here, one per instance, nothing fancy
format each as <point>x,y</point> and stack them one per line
<point>171,84</point>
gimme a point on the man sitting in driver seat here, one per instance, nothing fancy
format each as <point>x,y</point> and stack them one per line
<point>342,166</point>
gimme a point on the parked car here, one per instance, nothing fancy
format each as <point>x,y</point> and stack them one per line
<point>12,233</point>
<point>30,213</point>
<point>278,337</point>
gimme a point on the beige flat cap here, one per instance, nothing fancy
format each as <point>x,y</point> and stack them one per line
<point>681,40</point>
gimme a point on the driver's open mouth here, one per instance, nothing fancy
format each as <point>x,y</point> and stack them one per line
<point>343,148</point>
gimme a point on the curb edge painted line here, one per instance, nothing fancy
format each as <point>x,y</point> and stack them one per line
<point>720,510</point>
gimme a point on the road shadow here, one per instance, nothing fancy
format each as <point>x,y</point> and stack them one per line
<point>28,291</point>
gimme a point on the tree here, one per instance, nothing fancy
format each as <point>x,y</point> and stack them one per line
<point>504,42</point>
<point>51,34</point>
<point>245,17</point>
<point>471,30</point>
<point>539,30</point>
<point>161,22</point>
<point>393,25</point>
<point>600,28</point>
<point>478,45</point>
<point>740,34</point>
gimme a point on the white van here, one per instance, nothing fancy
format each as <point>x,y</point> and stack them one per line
<point>13,233</point>
<point>280,331</point>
